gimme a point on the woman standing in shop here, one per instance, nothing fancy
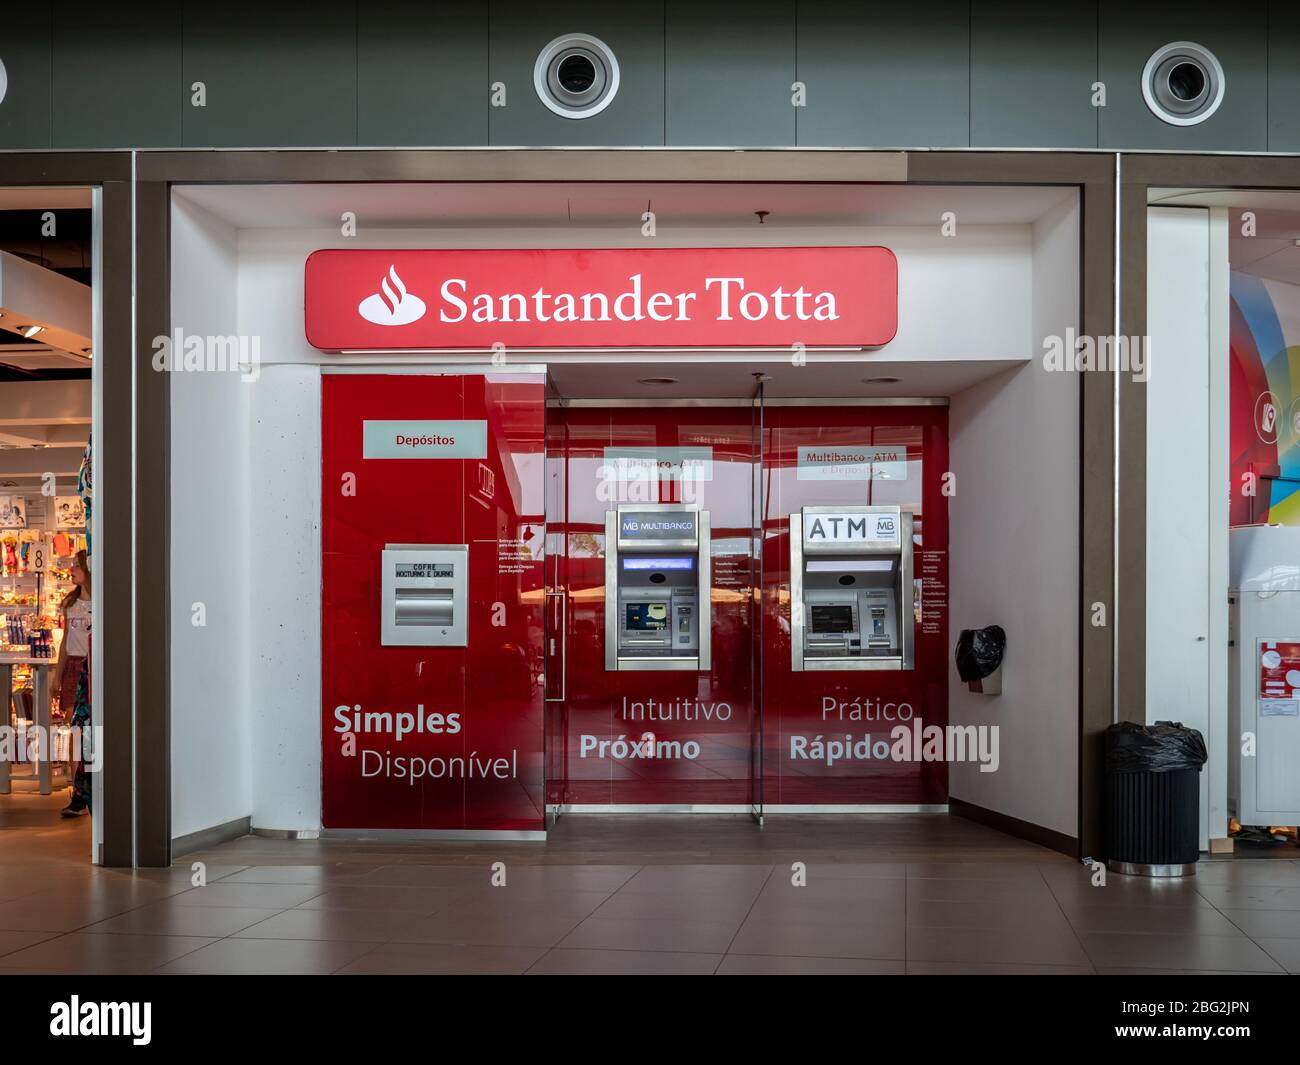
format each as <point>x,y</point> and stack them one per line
<point>72,677</point>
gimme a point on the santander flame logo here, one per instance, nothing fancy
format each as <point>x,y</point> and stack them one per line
<point>392,304</point>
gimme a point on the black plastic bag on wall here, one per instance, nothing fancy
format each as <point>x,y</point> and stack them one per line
<point>1158,748</point>
<point>980,651</point>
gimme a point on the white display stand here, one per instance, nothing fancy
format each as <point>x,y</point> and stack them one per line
<point>41,708</point>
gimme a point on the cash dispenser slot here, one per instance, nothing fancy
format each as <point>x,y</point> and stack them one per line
<point>851,590</point>
<point>424,595</point>
<point>414,606</point>
<point>657,588</point>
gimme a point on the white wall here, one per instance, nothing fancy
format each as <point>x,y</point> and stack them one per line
<point>211,773</point>
<point>284,614</point>
<point>1014,554</point>
<point>1217,473</point>
<point>1187,483</point>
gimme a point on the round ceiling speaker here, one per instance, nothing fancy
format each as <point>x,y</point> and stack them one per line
<point>576,75</point>
<point>1183,83</point>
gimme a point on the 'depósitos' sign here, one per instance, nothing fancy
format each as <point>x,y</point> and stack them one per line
<point>618,298</point>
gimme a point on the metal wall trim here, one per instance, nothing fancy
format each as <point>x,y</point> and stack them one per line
<point>207,838</point>
<point>116,534</point>
<point>151,503</point>
<point>432,369</point>
<point>795,537</point>
<point>858,808</point>
<point>417,835</point>
<point>514,163</point>
<point>731,401</point>
<point>1090,171</point>
<point>657,808</point>
<point>744,808</point>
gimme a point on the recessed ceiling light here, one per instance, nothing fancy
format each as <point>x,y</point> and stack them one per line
<point>657,381</point>
<point>29,331</point>
<point>880,380</point>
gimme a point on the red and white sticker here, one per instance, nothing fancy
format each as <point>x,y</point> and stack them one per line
<point>1279,670</point>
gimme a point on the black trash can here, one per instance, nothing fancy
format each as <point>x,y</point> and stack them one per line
<point>1153,798</point>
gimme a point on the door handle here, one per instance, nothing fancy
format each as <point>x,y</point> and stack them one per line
<point>564,646</point>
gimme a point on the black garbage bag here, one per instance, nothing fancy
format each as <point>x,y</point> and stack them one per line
<point>1158,748</point>
<point>980,651</point>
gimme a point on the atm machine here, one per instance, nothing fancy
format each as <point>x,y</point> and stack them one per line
<point>851,588</point>
<point>424,589</point>
<point>1264,674</point>
<point>657,588</point>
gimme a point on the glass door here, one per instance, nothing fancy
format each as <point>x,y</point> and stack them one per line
<point>556,638</point>
<point>650,645</point>
<point>756,607</point>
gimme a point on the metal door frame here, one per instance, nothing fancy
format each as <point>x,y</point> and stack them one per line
<point>123,523</point>
<point>1104,480</point>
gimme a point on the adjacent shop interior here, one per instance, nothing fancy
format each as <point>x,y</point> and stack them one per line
<point>1224,294</point>
<point>971,441</point>
<point>46,357</point>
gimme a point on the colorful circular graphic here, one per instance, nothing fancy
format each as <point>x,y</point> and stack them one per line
<point>1266,415</point>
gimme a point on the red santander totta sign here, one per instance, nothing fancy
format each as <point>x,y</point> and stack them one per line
<point>358,300</point>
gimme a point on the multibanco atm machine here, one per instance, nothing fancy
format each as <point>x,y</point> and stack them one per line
<point>657,588</point>
<point>851,588</point>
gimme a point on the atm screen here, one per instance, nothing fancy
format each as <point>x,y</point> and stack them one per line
<point>831,617</point>
<point>637,562</point>
<point>647,617</point>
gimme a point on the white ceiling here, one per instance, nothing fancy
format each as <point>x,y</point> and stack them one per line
<point>1272,253</point>
<point>727,375</point>
<point>411,205</point>
<point>1252,199</point>
<point>1276,260</point>
<point>40,357</point>
<point>43,429</point>
<point>43,356</point>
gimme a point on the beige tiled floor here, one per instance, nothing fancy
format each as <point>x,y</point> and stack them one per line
<point>905,895</point>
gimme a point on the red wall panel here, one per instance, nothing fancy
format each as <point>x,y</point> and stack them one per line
<point>800,704</point>
<point>495,684</point>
